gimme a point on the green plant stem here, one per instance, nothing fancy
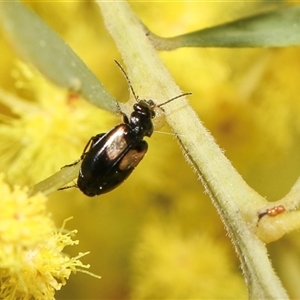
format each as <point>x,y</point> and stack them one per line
<point>57,180</point>
<point>236,202</point>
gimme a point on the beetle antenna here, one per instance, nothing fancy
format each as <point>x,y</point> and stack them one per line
<point>128,81</point>
<point>182,95</point>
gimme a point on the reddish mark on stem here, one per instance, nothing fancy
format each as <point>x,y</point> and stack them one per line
<point>272,212</point>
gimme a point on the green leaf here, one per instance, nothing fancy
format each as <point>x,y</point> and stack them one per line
<point>37,43</point>
<point>278,28</point>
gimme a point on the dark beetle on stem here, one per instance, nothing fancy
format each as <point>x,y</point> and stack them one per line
<point>109,158</point>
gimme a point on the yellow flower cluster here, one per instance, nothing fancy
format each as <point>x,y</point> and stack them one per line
<point>32,264</point>
<point>34,131</point>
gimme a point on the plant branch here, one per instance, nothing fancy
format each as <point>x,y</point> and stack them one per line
<point>236,202</point>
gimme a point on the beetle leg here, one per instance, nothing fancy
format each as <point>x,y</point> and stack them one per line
<point>67,187</point>
<point>90,144</point>
<point>72,164</point>
<point>125,118</point>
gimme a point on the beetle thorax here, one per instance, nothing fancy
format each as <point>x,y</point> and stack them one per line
<point>141,119</point>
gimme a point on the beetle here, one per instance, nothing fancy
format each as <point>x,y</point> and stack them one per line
<point>109,158</point>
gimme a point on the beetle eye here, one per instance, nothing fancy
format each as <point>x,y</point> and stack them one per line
<point>151,103</point>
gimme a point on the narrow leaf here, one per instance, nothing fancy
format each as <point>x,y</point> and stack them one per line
<point>280,28</point>
<point>37,43</point>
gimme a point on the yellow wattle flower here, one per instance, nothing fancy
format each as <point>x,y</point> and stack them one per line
<point>32,264</point>
<point>43,128</point>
